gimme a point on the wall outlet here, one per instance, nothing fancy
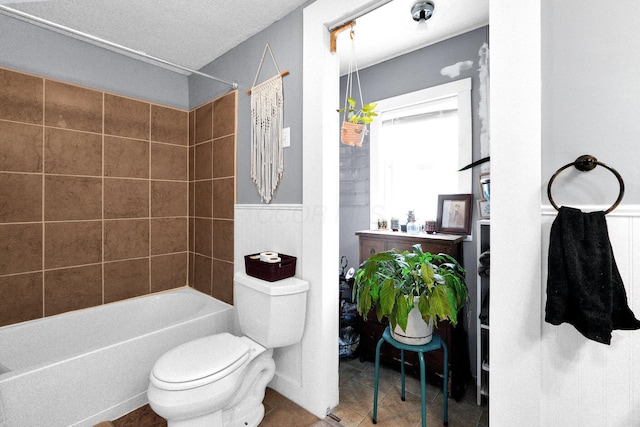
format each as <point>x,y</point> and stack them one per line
<point>286,137</point>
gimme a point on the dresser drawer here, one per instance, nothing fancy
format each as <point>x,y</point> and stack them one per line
<point>369,247</point>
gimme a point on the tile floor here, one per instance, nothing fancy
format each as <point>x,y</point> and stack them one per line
<point>356,400</point>
<point>356,404</point>
<point>279,412</point>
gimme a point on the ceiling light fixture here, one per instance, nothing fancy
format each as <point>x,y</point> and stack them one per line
<point>421,12</point>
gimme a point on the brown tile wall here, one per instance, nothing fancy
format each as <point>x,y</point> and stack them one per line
<point>94,192</point>
<point>212,189</point>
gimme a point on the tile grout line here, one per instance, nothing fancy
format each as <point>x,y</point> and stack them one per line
<point>43,196</point>
<point>189,184</point>
<point>102,195</point>
<point>213,105</point>
<point>149,285</point>
<point>192,219</point>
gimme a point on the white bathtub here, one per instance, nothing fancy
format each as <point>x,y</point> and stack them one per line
<point>92,365</point>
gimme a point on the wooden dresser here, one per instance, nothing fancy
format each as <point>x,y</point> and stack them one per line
<point>374,241</point>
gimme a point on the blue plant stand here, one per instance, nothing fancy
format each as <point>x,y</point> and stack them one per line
<point>435,344</point>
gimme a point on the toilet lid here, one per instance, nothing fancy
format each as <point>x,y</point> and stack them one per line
<point>200,362</point>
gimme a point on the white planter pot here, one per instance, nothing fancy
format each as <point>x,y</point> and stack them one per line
<point>418,331</point>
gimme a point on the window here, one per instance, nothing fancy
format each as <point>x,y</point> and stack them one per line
<point>418,143</point>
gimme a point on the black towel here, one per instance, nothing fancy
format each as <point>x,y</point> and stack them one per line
<point>584,287</point>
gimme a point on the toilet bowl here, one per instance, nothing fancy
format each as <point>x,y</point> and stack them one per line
<point>192,384</point>
<point>220,380</point>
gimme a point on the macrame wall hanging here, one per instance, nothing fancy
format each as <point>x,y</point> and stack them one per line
<point>267,153</point>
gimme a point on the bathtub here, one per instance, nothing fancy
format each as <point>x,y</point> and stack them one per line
<point>92,365</point>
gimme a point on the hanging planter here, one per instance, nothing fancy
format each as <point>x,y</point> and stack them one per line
<point>355,121</point>
<point>353,133</point>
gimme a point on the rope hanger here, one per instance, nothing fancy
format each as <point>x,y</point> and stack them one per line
<point>281,74</point>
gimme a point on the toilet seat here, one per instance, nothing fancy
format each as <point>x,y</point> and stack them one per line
<point>199,362</point>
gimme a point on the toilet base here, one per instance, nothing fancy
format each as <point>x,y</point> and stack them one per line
<point>247,419</point>
<point>246,409</point>
<point>214,419</point>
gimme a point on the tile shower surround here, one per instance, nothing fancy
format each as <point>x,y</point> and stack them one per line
<point>212,194</point>
<point>104,197</point>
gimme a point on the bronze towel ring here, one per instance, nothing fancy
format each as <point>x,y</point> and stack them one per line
<point>586,163</point>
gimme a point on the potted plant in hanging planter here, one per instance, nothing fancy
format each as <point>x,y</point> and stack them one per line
<point>413,290</point>
<point>355,121</point>
<point>354,125</point>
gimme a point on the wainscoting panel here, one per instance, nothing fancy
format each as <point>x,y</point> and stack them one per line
<point>261,228</point>
<point>587,383</point>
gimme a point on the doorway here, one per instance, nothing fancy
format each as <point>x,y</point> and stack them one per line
<point>321,178</point>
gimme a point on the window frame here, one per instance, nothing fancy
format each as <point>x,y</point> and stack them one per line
<point>459,88</point>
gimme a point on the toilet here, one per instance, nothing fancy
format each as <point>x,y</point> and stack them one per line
<point>220,380</point>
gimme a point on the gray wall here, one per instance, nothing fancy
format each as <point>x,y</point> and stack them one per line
<point>407,73</point>
<point>592,98</point>
<point>241,64</point>
<point>33,49</point>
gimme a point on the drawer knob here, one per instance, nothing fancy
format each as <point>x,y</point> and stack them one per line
<point>372,251</point>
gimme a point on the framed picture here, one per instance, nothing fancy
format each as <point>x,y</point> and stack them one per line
<point>484,209</point>
<point>484,185</point>
<point>454,213</point>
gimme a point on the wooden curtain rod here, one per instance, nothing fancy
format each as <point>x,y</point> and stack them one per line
<point>282,74</point>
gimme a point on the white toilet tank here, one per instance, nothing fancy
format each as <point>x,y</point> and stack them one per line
<point>271,313</point>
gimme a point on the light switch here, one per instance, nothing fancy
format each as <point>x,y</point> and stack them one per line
<point>286,137</point>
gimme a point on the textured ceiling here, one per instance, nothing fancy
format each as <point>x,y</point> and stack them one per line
<point>192,33</point>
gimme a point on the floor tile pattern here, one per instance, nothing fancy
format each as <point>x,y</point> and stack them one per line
<point>356,400</point>
<point>356,405</point>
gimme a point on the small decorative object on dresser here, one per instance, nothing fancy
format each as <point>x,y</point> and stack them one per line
<point>430,227</point>
<point>454,213</point>
<point>412,225</point>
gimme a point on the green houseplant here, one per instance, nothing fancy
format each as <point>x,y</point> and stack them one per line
<point>364,115</point>
<point>396,282</point>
